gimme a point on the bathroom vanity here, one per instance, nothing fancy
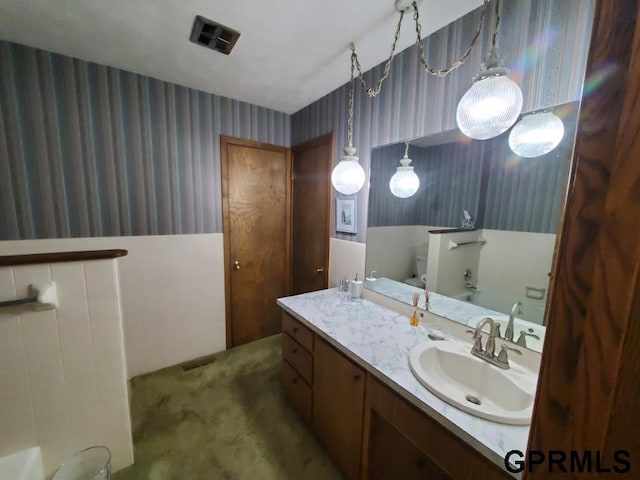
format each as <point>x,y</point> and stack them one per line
<point>345,370</point>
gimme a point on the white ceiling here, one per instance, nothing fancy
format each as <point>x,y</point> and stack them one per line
<point>290,52</point>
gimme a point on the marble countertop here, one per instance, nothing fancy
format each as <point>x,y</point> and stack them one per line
<point>381,339</point>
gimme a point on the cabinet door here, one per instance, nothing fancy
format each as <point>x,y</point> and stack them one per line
<point>338,405</point>
<point>392,455</point>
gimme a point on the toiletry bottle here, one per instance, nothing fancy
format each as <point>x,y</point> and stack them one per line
<point>356,288</point>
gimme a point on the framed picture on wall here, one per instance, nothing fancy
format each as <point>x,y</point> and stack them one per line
<point>346,215</point>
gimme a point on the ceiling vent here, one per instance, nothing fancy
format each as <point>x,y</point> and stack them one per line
<point>212,35</point>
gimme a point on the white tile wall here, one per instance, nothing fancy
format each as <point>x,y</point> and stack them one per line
<point>345,260</point>
<point>63,381</point>
<point>170,285</point>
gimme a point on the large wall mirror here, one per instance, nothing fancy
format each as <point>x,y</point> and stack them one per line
<point>480,232</point>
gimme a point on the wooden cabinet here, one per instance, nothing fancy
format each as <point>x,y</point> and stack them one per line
<point>369,430</point>
<point>403,442</point>
<point>297,367</point>
<point>338,405</point>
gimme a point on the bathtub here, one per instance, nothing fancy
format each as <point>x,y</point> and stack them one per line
<point>22,465</point>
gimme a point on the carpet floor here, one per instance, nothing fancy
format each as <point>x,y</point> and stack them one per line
<point>224,420</point>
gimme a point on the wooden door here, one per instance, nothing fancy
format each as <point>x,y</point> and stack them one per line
<point>256,199</point>
<point>311,214</point>
<point>338,406</point>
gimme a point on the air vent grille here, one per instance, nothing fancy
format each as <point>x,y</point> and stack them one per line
<point>213,35</point>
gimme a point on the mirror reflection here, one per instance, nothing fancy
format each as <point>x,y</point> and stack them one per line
<point>479,233</point>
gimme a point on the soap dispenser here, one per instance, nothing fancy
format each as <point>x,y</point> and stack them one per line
<point>356,288</point>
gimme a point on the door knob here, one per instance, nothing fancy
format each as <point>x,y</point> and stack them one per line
<point>236,265</point>
<point>320,270</point>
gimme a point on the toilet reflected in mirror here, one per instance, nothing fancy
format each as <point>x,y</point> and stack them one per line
<point>419,277</point>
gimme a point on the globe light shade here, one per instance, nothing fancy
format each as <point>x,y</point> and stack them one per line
<point>536,134</point>
<point>490,107</point>
<point>348,175</point>
<point>404,183</point>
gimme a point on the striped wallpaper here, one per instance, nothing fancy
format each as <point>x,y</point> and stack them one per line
<point>543,41</point>
<point>88,150</point>
<point>501,190</point>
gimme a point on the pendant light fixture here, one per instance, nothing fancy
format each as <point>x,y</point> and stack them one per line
<point>494,101</point>
<point>536,134</point>
<point>404,183</point>
<point>348,176</point>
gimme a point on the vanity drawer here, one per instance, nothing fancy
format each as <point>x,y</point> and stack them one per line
<point>298,357</point>
<point>297,391</point>
<point>302,334</point>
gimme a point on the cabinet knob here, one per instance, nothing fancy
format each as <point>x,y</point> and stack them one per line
<point>420,464</point>
<point>294,350</point>
<point>319,269</point>
<point>236,265</point>
<point>295,329</point>
<point>357,377</point>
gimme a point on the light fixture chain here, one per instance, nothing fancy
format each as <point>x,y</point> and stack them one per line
<point>374,91</point>
<point>350,119</point>
<point>495,28</point>
<point>463,58</point>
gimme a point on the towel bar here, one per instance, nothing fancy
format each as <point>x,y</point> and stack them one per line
<point>20,301</point>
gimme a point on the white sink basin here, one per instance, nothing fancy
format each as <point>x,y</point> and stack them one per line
<point>451,373</point>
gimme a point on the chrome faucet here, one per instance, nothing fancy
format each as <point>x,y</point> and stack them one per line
<point>490,348</point>
<point>488,354</point>
<point>516,309</point>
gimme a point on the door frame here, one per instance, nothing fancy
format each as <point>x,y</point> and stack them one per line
<point>329,138</point>
<point>225,141</point>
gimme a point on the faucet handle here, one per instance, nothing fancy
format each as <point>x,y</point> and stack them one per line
<point>499,334</point>
<point>522,339</point>
<point>503,357</point>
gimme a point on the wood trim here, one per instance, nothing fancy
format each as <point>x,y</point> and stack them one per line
<point>58,257</point>
<point>453,230</point>
<point>225,141</point>
<point>589,371</point>
<point>329,138</point>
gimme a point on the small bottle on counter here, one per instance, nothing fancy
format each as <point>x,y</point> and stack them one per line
<point>356,288</point>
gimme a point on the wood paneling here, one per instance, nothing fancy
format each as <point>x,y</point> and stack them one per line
<point>589,378</point>
<point>58,257</point>
<point>311,221</point>
<point>256,197</point>
<point>338,404</point>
